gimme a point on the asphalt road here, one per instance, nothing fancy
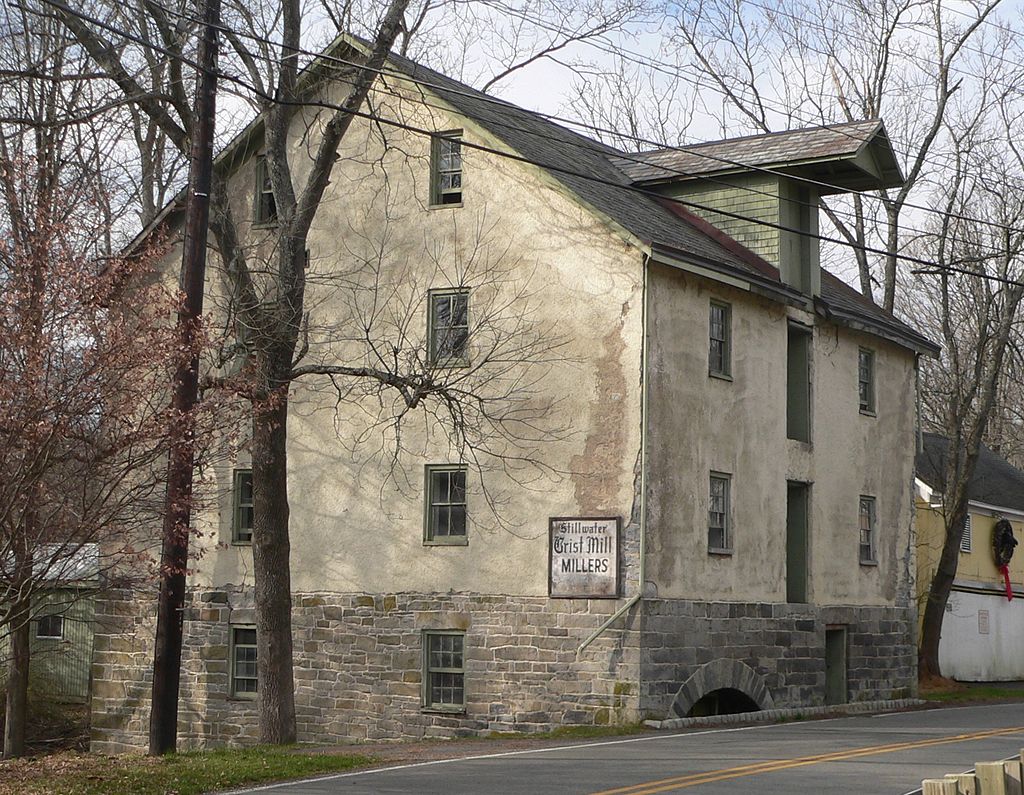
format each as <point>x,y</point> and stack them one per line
<point>885,754</point>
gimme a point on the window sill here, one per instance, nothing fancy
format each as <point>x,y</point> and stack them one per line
<point>236,543</point>
<point>443,542</point>
<point>244,698</point>
<point>264,224</point>
<point>869,563</point>
<point>453,206</point>
<point>869,412</point>
<point>720,551</point>
<point>720,376</point>
<point>440,710</point>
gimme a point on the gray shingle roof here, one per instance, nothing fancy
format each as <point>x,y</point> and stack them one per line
<point>655,220</point>
<point>789,147</point>
<point>562,151</point>
<point>995,481</point>
<point>593,171</point>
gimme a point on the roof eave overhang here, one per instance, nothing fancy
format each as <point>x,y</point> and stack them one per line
<point>873,166</point>
<point>726,274</point>
<point>250,137</point>
<point>897,334</point>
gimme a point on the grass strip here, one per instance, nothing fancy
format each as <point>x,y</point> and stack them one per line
<point>189,773</point>
<point>972,693</point>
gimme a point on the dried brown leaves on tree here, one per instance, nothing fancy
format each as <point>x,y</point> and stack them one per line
<point>273,335</point>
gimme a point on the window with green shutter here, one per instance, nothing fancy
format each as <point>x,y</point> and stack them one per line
<point>446,169</point>
<point>719,340</point>
<point>867,525</point>
<point>264,204</point>
<point>719,531</point>
<point>866,380</point>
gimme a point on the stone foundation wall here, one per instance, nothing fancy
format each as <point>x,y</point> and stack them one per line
<point>359,661</point>
<point>783,644</point>
<point>358,667</point>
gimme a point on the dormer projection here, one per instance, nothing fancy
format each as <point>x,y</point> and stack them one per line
<point>764,191</point>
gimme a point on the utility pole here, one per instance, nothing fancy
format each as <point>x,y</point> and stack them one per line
<point>163,718</point>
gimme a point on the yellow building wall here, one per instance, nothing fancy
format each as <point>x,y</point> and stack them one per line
<point>976,567</point>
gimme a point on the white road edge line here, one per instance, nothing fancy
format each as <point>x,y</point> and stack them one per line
<point>549,749</point>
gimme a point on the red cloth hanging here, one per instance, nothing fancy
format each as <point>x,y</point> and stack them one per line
<point>1005,570</point>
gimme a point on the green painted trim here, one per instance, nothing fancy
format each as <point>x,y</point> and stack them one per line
<point>236,506</point>
<point>428,537</point>
<point>451,361</point>
<point>243,695</point>
<point>426,705</point>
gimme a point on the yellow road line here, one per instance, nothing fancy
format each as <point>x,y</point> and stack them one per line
<point>711,776</point>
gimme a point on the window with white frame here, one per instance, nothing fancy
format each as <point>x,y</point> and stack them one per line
<point>243,662</point>
<point>446,168</point>
<point>719,531</point>
<point>444,672</point>
<point>866,380</point>
<point>50,627</point>
<point>448,326</point>
<point>719,339</point>
<point>445,504</point>
<point>965,538</point>
<point>867,525</point>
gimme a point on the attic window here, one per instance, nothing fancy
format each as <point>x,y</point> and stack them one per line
<point>866,380</point>
<point>446,168</point>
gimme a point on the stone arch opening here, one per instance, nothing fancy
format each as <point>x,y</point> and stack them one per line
<point>725,701</point>
<point>733,682</point>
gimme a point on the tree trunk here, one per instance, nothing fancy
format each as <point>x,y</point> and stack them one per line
<point>271,568</point>
<point>892,243</point>
<point>938,596</point>
<point>16,707</point>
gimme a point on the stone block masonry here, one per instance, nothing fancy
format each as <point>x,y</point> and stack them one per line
<point>359,667</point>
<point>359,663</point>
<point>776,653</point>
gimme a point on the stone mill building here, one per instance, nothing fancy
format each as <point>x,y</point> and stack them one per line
<point>716,511</point>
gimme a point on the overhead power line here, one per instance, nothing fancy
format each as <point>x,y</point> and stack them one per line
<point>676,73</point>
<point>551,167</point>
<point>479,96</point>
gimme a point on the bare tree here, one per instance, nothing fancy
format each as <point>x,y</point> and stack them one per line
<point>771,65</point>
<point>274,337</point>
<point>972,301</point>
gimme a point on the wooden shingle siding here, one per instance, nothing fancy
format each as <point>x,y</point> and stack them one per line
<point>754,197</point>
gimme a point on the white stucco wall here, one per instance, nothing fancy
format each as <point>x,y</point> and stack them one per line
<point>357,519</point>
<point>738,426</point>
<point>969,653</point>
